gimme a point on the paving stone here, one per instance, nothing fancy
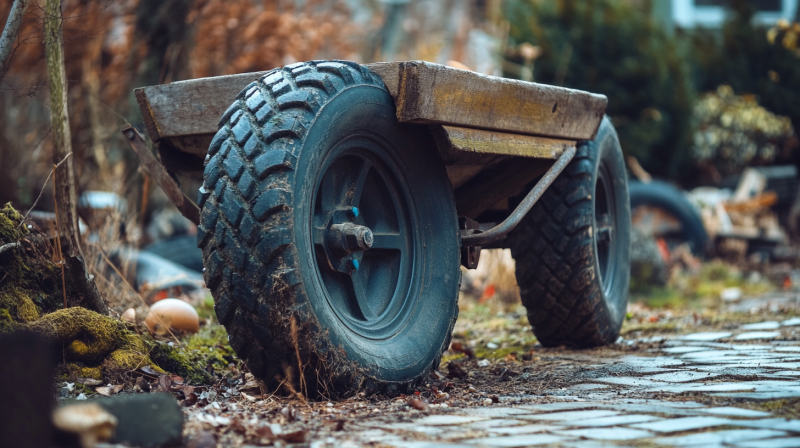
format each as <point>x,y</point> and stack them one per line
<point>570,415</point>
<point>730,436</point>
<point>659,409</point>
<point>494,423</point>
<point>612,421</point>
<point>791,322</point>
<point>787,372</point>
<point>776,395</point>
<point>682,376</point>
<point>588,386</point>
<point>786,442</point>
<point>684,349</point>
<point>524,429</point>
<point>607,433</point>
<point>707,354</point>
<point>439,420</point>
<point>684,424</point>
<point>735,412</point>
<point>757,335</point>
<point>563,406</point>
<point>625,381</point>
<point>518,441</point>
<point>780,424</point>
<point>771,325</point>
<point>707,336</point>
<point>496,412</point>
<point>787,348</point>
<point>403,444</point>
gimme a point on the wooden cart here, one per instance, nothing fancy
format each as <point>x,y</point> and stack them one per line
<point>339,201</point>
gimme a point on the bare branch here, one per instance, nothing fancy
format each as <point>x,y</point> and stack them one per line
<point>11,30</point>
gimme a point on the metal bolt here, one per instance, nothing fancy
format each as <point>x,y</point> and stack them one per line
<point>348,238</point>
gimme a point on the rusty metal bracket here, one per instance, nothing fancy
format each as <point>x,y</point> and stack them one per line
<point>470,255</point>
<point>478,238</point>
<point>156,170</point>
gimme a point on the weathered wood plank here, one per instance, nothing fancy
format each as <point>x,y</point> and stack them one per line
<point>452,138</point>
<point>436,94</point>
<point>192,107</point>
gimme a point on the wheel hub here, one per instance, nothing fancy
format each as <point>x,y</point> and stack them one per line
<point>365,260</point>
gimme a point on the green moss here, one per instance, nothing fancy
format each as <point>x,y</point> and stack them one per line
<point>6,323</point>
<point>482,352</point>
<point>179,361</point>
<point>76,370</point>
<point>210,346</point>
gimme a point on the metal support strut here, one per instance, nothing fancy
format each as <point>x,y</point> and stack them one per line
<point>473,237</point>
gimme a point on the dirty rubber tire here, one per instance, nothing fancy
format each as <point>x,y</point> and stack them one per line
<point>559,256</point>
<point>673,201</point>
<point>263,186</point>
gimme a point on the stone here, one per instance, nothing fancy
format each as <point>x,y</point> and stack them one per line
<point>707,336</point>
<point>757,335</point>
<point>787,442</point>
<point>588,386</point>
<point>607,433</point>
<point>771,325</point>
<point>496,412</point>
<point>524,429</point>
<point>493,423</point>
<point>780,424</point>
<point>612,421</point>
<point>443,420</point>
<point>518,441</point>
<point>145,420</point>
<point>791,322</point>
<point>569,415</point>
<point>563,406</point>
<point>684,424</point>
<point>684,349</point>
<point>682,377</point>
<point>735,412</point>
<point>730,436</point>
<point>788,348</point>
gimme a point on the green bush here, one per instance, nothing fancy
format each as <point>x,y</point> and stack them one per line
<point>614,48</point>
<point>752,60</point>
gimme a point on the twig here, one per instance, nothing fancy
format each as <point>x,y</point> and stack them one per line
<point>24,218</point>
<point>58,238</point>
<point>303,387</point>
<point>125,280</point>
<point>8,246</point>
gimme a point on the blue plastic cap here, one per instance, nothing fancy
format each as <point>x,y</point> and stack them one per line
<point>355,213</point>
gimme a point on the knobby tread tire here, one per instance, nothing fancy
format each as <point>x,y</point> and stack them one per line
<point>555,260</point>
<point>246,229</point>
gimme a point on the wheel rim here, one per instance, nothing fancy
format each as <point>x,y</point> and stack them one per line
<point>361,193</point>
<point>605,225</point>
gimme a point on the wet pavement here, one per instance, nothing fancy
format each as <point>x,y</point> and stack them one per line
<point>736,388</point>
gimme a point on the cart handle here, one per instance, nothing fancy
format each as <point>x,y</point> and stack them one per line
<point>474,237</point>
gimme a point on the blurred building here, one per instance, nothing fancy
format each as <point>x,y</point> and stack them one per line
<point>712,13</point>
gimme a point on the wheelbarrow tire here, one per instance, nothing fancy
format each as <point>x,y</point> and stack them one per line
<point>572,249</point>
<point>294,154</point>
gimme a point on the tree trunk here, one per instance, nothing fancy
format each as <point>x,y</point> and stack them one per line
<point>64,178</point>
<point>10,32</point>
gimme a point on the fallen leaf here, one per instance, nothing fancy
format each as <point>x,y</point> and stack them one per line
<point>165,383</point>
<point>294,437</point>
<point>247,397</point>
<point>265,434</point>
<point>177,380</point>
<point>142,385</point>
<point>203,439</point>
<point>108,390</point>
<point>418,404</point>
<point>511,357</point>
<point>454,370</point>
<point>437,375</point>
<point>89,381</point>
<point>458,347</point>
